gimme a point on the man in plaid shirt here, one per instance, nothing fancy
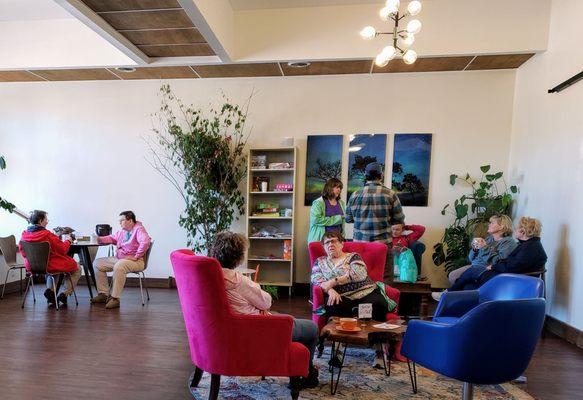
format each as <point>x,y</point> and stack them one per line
<point>373,209</point>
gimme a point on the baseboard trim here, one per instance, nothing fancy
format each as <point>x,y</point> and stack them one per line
<point>565,331</point>
<point>158,283</point>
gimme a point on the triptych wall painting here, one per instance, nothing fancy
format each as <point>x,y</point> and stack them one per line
<point>410,167</point>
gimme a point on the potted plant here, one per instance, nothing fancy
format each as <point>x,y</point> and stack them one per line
<point>201,155</point>
<point>490,195</point>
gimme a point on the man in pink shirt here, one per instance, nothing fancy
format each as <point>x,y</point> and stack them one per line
<point>132,242</point>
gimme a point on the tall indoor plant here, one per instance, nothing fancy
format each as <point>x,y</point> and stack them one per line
<point>200,152</point>
<point>5,204</point>
<point>490,195</point>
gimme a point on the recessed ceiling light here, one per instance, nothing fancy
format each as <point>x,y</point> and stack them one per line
<point>298,64</point>
<point>125,69</point>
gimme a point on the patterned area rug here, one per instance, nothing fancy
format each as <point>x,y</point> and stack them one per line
<point>358,381</point>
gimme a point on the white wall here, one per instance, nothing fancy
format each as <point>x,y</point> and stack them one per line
<point>75,148</point>
<point>547,156</point>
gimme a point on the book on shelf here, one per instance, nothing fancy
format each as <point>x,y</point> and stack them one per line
<point>258,162</point>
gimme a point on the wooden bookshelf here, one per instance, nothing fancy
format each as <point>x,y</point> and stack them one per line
<point>274,270</point>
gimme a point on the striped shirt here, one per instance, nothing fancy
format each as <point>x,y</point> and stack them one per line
<point>373,209</point>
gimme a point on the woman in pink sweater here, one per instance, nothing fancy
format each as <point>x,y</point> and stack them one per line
<point>247,297</point>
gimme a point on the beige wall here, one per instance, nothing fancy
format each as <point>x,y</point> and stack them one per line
<point>547,157</point>
<point>75,149</point>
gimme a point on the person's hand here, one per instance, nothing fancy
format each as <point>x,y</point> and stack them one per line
<point>327,285</point>
<point>333,297</point>
<point>480,243</point>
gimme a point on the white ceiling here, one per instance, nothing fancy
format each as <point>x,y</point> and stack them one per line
<point>29,10</point>
<point>261,4</point>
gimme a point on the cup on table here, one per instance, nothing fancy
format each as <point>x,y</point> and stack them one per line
<point>348,323</point>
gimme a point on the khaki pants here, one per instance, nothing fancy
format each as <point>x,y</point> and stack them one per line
<point>120,268</point>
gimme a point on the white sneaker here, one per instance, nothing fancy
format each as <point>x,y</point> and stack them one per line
<point>378,360</point>
<point>437,295</point>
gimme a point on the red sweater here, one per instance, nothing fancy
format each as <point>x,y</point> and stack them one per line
<point>59,261</point>
<point>406,240</point>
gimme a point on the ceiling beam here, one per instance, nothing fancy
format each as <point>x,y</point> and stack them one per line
<point>198,19</point>
<point>92,20</point>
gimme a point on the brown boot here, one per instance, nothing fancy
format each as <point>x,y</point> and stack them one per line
<point>112,303</point>
<point>100,298</point>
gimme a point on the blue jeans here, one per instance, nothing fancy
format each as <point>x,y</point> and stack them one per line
<point>469,279</point>
<point>417,248</point>
<point>305,332</point>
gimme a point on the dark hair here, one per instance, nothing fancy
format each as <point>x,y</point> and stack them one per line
<point>333,234</point>
<point>373,176</point>
<point>228,248</point>
<point>129,215</point>
<point>331,183</point>
<point>37,216</point>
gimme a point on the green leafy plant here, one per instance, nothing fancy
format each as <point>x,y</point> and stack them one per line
<point>5,204</point>
<point>272,290</point>
<point>201,155</point>
<point>490,195</point>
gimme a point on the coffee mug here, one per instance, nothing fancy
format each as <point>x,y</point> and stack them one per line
<point>348,323</point>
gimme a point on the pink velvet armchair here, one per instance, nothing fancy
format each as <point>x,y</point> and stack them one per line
<point>224,343</point>
<point>373,254</point>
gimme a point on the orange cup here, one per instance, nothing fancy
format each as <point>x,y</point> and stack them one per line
<point>348,323</point>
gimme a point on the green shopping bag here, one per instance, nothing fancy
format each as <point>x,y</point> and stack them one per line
<point>406,265</point>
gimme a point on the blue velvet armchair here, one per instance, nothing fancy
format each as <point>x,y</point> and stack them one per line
<point>454,305</point>
<point>492,343</point>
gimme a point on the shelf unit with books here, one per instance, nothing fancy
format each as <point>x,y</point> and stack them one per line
<point>270,214</point>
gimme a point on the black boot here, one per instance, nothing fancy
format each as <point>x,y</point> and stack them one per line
<point>50,296</point>
<point>62,298</point>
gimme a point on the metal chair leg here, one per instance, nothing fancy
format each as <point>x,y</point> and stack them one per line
<point>32,288</point>
<point>55,294</point>
<point>146,286</point>
<point>468,391</point>
<point>26,291</point>
<point>141,290</point>
<point>5,280</point>
<point>74,293</point>
<point>19,283</point>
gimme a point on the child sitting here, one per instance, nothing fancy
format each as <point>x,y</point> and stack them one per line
<point>399,242</point>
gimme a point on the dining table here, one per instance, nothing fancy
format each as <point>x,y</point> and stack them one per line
<point>81,248</point>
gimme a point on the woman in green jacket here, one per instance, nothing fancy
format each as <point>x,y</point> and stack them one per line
<point>327,212</point>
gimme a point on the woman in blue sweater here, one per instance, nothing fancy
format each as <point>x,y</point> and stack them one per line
<point>528,256</point>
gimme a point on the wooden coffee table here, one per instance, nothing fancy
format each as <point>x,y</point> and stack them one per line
<point>368,337</point>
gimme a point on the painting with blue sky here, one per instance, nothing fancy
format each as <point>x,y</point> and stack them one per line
<point>323,161</point>
<point>411,165</point>
<point>362,150</point>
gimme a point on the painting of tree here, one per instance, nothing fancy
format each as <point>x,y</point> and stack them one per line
<point>363,150</point>
<point>324,161</point>
<point>411,165</point>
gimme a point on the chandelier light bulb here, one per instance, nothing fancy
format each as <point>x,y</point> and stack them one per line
<point>414,7</point>
<point>385,13</point>
<point>393,5</point>
<point>381,60</point>
<point>410,56</point>
<point>368,32</point>
<point>389,52</point>
<point>414,26</point>
<point>407,40</point>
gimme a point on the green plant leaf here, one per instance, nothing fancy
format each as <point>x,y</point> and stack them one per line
<point>490,177</point>
<point>498,175</point>
<point>2,162</point>
<point>452,179</point>
<point>480,193</point>
<point>513,189</point>
<point>461,211</point>
<point>485,168</point>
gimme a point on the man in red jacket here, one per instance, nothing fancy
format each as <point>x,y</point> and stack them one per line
<point>59,261</point>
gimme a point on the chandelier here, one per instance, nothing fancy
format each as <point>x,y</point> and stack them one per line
<point>402,38</point>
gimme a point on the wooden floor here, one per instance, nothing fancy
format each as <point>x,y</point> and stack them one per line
<point>142,353</point>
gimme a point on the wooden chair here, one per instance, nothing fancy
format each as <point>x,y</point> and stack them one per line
<point>9,250</point>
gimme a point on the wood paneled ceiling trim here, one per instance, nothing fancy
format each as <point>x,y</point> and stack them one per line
<point>130,5</point>
<point>148,19</point>
<point>503,61</point>
<point>237,70</point>
<point>91,74</point>
<point>181,72</point>
<point>328,68</point>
